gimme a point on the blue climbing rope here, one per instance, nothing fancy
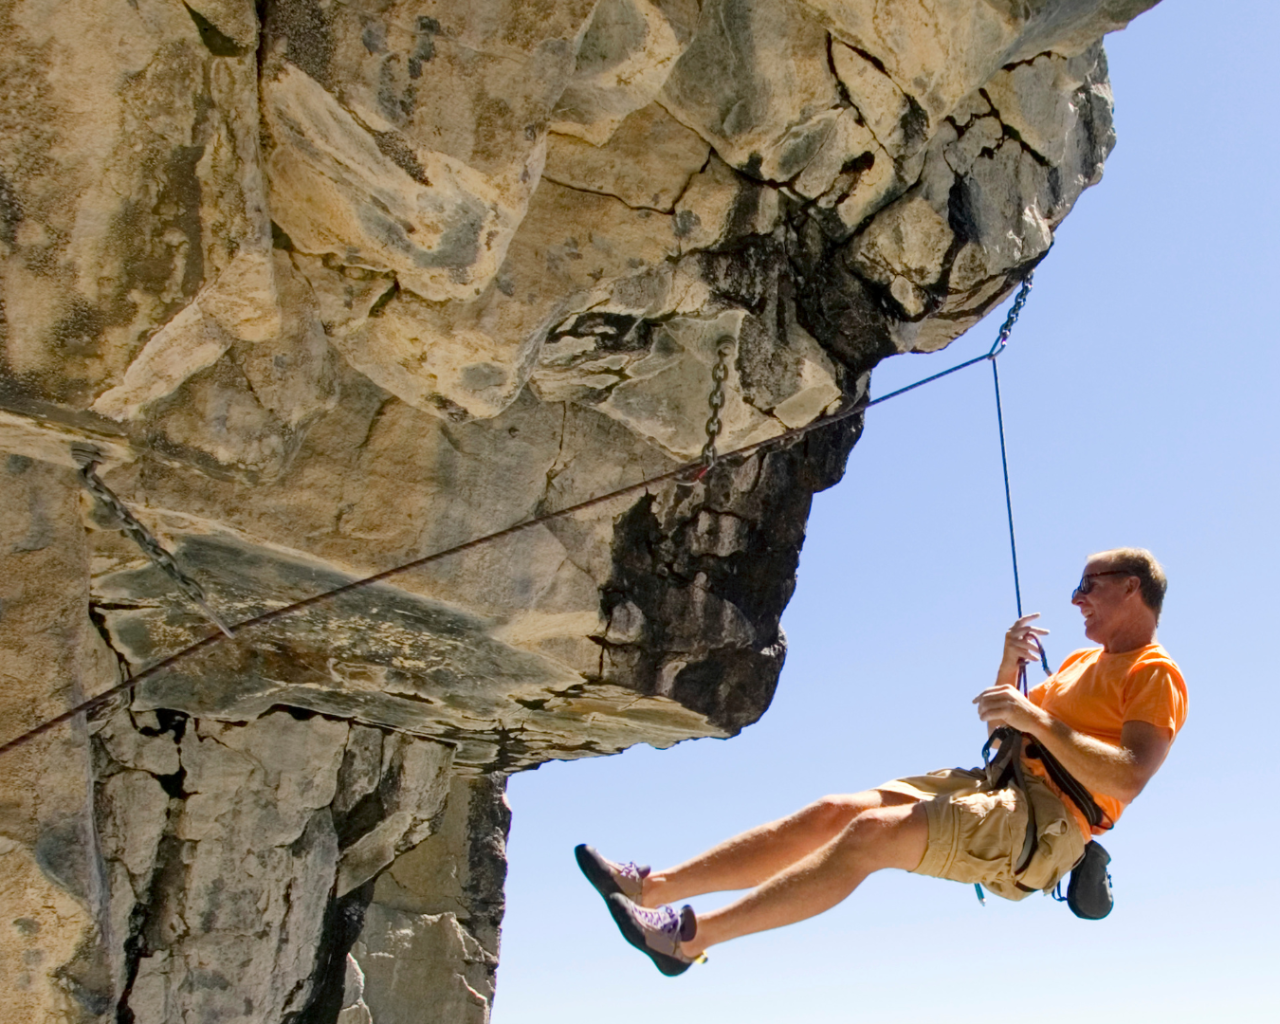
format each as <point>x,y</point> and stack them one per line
<point>1002,340</point>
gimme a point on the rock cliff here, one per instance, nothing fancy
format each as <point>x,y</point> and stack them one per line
<point>330,285</point>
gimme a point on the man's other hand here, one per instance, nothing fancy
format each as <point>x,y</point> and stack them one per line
<point>1005,705</point>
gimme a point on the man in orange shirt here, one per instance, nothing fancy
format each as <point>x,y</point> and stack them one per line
<point>1109,716</point>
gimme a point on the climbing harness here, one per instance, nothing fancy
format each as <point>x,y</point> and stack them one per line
<point>689,472</point>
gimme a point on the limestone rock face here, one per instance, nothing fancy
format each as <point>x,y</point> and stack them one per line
<point>330,286</point>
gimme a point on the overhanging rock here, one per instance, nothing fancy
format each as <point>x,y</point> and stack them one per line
<point>332,286</point>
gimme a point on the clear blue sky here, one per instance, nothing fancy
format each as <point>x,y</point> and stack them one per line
<point>1141,399</point>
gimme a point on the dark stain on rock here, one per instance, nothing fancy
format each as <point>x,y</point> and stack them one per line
<point>343,921</point>
<point>459,245</point>
<point>611,332</point>
<point>660,563</point>
<point>168,885</point>
<point>63,855</point>
<point>172,784</point>
<point>488,825</point>
<point>616,33</point>
<point>960,214</point>
<point>496,124</point>
<point>201,978</point>
<point>10,211</point>
<point>361,819</point>
<point>209,915</point>
<point>832,303</point>
<point>858,165</point>
<point>482,376</point>
<point>148,259</point>
<point>280,238</point>
<point>686,223</point>
<point>41,260</point>
<point>79,329</point>
<point>380,303</point>
<point>134,948</point>
<point>215,40</point>
<point>745,275</point>
<point>658,566</point>
<point>95,1001</point>
<point>796,157</point>
<point>728,686</point>
<point>393,146</point>
<point>425,48</point>
<point>307,31</point>
<point>396,105</point>
<point>374,37</point>
<point>914,123</point>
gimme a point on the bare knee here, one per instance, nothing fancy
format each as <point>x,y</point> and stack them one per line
<point>834,812</point>
<point>882,837</point>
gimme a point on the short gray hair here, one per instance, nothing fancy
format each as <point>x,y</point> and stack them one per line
<point>1152,582</point>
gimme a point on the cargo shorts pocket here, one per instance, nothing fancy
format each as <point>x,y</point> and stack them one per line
<point>1059,844</point>
<point>978,831</point>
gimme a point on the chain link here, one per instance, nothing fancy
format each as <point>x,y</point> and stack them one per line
<point>716,400</point>
<point>87,457</point>
<point>1007,327</point>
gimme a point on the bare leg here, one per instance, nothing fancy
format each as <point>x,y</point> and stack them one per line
<point>886,837</point>
<point>757,855</point>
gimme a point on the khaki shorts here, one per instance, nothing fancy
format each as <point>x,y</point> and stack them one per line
<point>976,835</point>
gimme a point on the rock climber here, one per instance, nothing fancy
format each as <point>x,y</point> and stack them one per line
<point>1109,715</point>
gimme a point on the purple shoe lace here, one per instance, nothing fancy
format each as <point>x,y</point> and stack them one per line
<point>666,927</point>
<point>661,919</point>
<point>632,872</point>
<point>629,876</point>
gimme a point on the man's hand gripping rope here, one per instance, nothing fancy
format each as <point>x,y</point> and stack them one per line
<point>1004,703</point>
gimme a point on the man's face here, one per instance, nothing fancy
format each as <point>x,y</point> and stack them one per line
<point>1102,607</point>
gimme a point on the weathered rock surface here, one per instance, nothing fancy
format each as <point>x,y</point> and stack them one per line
<point>332,285</point>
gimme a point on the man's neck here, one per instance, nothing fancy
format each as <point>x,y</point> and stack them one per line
<point>1130,638</point>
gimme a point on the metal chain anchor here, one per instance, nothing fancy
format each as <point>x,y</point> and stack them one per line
<point>87,458</point>
<point>715,401</point>
<point>1002,339</point>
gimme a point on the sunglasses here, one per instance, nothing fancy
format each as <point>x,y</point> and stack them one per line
<point>1086,581</point>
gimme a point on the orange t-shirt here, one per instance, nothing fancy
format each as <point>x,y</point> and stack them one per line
<point>1096,693</point>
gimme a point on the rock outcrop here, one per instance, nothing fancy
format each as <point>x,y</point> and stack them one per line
<point>330,285</point>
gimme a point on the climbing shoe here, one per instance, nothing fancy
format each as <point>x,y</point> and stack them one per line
<point>608,877</point>
<point>656,933</point>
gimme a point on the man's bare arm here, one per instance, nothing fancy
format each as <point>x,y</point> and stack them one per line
<point>1116,771</point>
<point>1121,772</point>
